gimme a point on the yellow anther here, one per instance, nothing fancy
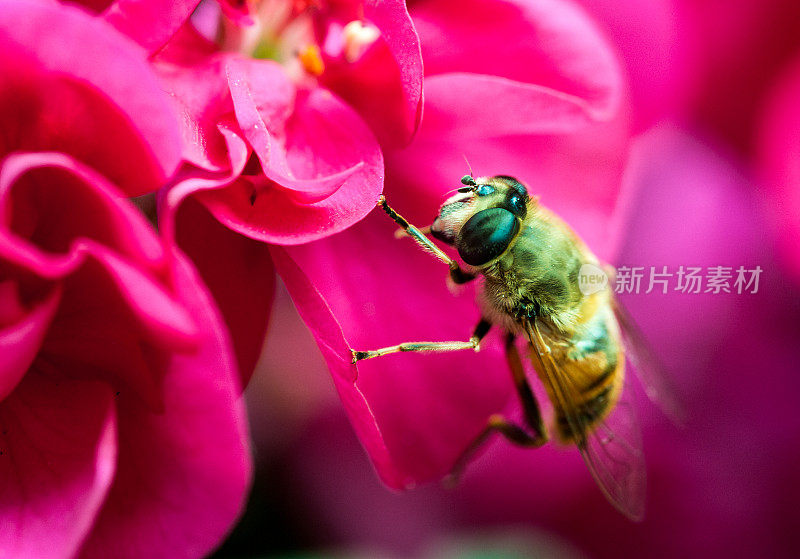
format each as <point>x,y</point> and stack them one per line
<point>311,60</point>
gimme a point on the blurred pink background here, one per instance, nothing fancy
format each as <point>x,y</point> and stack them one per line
<point>725,484</point>
<point>711,181</point>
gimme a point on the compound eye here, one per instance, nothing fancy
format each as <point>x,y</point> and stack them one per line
<point>486,235</point>
<point>517,205</point>
<point>484,189</point>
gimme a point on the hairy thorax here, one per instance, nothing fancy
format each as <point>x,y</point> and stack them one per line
<point>538,274</point>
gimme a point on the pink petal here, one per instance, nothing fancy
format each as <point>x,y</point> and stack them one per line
<point>58,451</point>
<point>732,57</point>
<point>20,341</point>
<point>575,170</point>
<point>239,273</point>
<point>117,296</point>
<point>237,10</point>
<point>161,316</point>
<point>385,85</point>
<point>150,23</point>
<point>201,95</point>
<point>647,37</point>
<point>221,254</point>
<point>460,102</point>
<point>264,100</point>
<point>328,334</point>
<point>427,408</point>
<point>36,188</point>
<point>71,83</point>
<point>690,191</point>
<point>778,150</point>
<point>554,45</point>
<point>326,169</point>
<point>183,474</point>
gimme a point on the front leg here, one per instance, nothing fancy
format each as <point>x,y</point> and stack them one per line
<point>456,273</point>
<point>473,343</point>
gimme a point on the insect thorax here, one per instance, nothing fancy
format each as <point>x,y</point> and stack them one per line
<point>537,274</point>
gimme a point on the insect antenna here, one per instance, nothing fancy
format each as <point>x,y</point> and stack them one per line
<point>469,167</point>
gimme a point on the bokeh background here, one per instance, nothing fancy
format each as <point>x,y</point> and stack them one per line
<point>710,184</point>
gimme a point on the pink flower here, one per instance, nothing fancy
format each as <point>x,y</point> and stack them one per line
<point>282,116</point>
<point>122,433</point>
<point>545,107</point>
<point>288,108</point>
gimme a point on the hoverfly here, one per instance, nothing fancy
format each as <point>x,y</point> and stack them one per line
<point>530,262</point>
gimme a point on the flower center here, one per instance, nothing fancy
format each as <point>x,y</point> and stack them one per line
<point>299,34</point>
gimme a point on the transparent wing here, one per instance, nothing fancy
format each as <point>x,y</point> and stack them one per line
<point>613,452</point>
<point>611,448</point>
<point>648,368</point>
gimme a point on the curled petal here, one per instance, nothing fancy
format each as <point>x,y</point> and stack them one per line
<point>268,113</point>
<point>110,261</point>
<point>53,243</point>
<point>384,84</point>
<point>161,316</point>
<point>71,83</point>
<point>325,168</point>
<point>20,340</point>
<point>263,98</point>
<point>36,187</point>
<point>201,95</point>
<point>183,473</point>
<point>57,460</point>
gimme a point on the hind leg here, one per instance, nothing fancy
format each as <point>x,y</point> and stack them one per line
<point>531,435</point>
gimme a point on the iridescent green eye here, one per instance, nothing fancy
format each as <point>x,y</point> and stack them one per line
<point>486,235</point>
<point>484,189</point>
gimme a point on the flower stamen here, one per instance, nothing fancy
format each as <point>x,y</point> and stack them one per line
<point>358,37</point>
<point>311,59</point>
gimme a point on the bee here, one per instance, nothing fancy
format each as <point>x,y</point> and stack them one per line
<point>533,271</point>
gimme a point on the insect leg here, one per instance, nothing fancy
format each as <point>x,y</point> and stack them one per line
<point>473,343</point>
<point>530,407</point>
<point>458,275</point>
<point>497,423</point>
<point>533,437</point>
